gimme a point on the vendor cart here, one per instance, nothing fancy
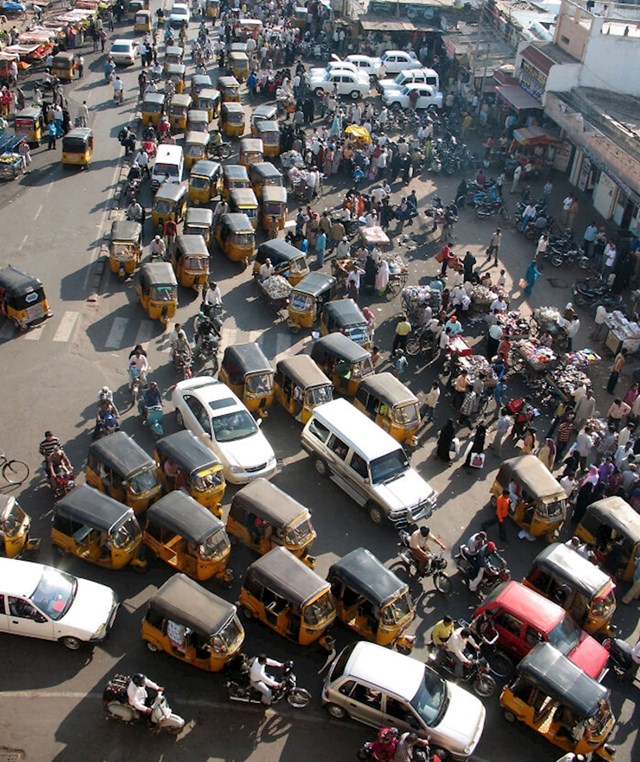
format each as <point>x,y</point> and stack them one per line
<point>416,299</point>
<point>549,320</point>
<point>531,358</point>
<point>514,324</point>
<point>10,166</point>
<point>275,291</point>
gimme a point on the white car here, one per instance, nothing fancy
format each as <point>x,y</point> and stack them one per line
<point>332,66</point>
<point>39,601</point>
<point>211,410</point>
<point>409,76</point>
<point>347,82</point>
<point>179,13</point>
<point>394,61</point>
<point>124,52</point>
<point>427,96</point>
<point>366,64</point>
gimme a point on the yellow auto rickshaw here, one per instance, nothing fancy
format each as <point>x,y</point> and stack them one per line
<point>371,600</point>
<point>205,181</point>
<point>232,120</point>
<point>251,152</point>
<point>264,113</point>
<point>247,372</point>
<point>264,517</point>
<point>236,237</point>
<point>197,121</point>
<point>191,624</point>
<point>281,592</point>
<point>537,502</point>
<point>174,54</point>
<point>300,16</point>
<point>177,73</point>
<point>152,108</point>
<point>14,529</point>
<point>246,28</point>
<point>97,529</point>
<point>199,222</point>
<point>229,89</point>
<point>157,290</point>
<point>62,66</point>
<point>388,402</point>
<point>273,207</point>
<point>185,535</point>
<point>187,463</point>
<point>265,174</point>
<point>213,9</point>
<point>29,123</point>
<point>119,467</point>
<point>196,147</point>
<point>300,386</point>
<point>244,201</point>
<point>287,261</point>
<point>77,147</point>
<point>269,133</point>
<point>125,243</point>
<point>22,298</point>
<point>142,22</point>
<point>612,527</point>
<point>134,6</point>
<point>559,701</point>
<point>199,82</point>
<point>587,592</point>
<point>180,106</point>
<point>345,317</point>
<point>169,203</point>
<point>308,297</point>
<point>345,362</point>
<point>190,260</point>
<point>233,176</point>
<point>239,63</point>
<point>209,100</point>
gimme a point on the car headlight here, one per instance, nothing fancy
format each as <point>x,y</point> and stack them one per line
<point>100,632</point>
<point>236,469</point>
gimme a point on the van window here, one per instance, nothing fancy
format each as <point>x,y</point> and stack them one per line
<point>319,431</point>
<point>359,465</point>
<point>337,446</point>
<point>509,623</point>
<point>347,687</point>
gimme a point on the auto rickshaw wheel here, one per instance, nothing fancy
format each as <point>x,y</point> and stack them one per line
<point>179,419</point>
<point>337,712</point>
<point>248,614</point>
<point>493,501</point>
<point>509,716</point>
<point>376,514</point>
<point>151,646</point>
<point>73,644</point>
<point>321,467</point>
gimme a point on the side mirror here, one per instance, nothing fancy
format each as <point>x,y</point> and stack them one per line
<point>259,422</point>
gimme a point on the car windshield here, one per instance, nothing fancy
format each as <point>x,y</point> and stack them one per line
<point>55,593</point>
<point>389,467</point>
<point>405,90</point>
<point>431,699</point>
<point>565,636</point>
<point>233,426</point>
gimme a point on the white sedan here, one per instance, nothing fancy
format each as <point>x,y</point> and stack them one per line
<point>332,67</point>
<point>179,13</point>
<point>346,83</point>
<point>427,96</point>
<point>366,64</point>
<point>210,409</point>
<point>124,52</point>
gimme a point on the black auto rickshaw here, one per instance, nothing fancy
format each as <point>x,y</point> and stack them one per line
<point>300,386</point>
<point>187,463</point>
<point>281,592</point>
<point>266,112</point>
<point>234,176</point>
<point>263,517</point>
<point>157,290</point>
<point>612,528</point>
<point>236,237</point>
<point>265,174</point>
<point>29,122</point>
<point>173,54</point>
<point>14,529</point>
<point>190,260</point>
<point>185,535</point>
<point>119,467</point>
<point>62,65</point>
<point>77,147</point>
<point>371,600</point>
<point>345,362</point>
<point>246,371</point>
<point>152,108</point>
<point>287,261</point>
<point>244,201</point>
<point>232,119</point>
<point>269,133</point>
<point>169,203</point>
<point>390,404</point>
<point>97,529</point>
<point>273,208</point>
<point>556,698</point>
<point>587,592</point>
<point>200,82</point>
<point>199,222</point>
<point>180,107</point>
<point>191,624</point>
<point>229,88</point>
<point>208,100</point>
<point>177,73</point>
<point>345,317</point>
<point>308,298</point>
<point>125,245</point>
<point>205,181</point>
<point>22,298</point>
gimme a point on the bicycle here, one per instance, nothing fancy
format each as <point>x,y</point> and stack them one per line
<point>13,471</point>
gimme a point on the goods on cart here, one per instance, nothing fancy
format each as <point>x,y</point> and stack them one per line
<point>275,290</point>
<point>291,159</point>
<point>582,358</point>
<point>513,322</point>
<point>10,166</point>
<point>482,296</point>
<point>623,333</point>
<point>415,299</point>
<point>567,379</point>
<point>539,358</point>
<point>477,366</point>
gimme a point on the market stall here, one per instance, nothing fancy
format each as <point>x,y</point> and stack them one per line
<point>548,320</point>
<point>534,145</point>
<point>416,300</point>
<point>532,358</point>
<point>477,366</point>
<point>514,324</point>
<point>481,297</point>
<point>622,334</point>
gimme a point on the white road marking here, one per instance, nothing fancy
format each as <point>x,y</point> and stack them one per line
<point>22,243</point>
<point>49,187</point>
<point>67,324</point>
<point>37,214</point>
<point>116,334</point>
<point>34,334</point>
<point>145,332</point>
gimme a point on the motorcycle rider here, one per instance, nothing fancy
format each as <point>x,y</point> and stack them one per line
<point>177,338</point>
<point>260,680</point>
<point>157,249</point>
<point>105,406</point>
<point>442,631</point>
<point>152,396</point>
<point>419,545</point>
<point>474,545</point>
<point>134,212</point>
<point>406,744</point>
<point>204,328</point>
<point>213,295</point>
<point>139,367</point>
<point>58,464</point>
<point>456,645</point>
<point>483,562</point>
<point>48,445</point>
<point>137,694</point>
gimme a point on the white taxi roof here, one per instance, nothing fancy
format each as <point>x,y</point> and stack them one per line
<point>19,578</point>
<point>385,668</point>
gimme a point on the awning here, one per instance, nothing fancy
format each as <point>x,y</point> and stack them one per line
<point>517,97</point>
<point>387,25</point>
<point>537,59</point>
<point>533,136</point>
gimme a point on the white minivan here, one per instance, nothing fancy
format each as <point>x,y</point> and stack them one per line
<point>410,76</point>
<point>169,161</point>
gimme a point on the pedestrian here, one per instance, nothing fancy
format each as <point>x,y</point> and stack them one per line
<point>402,331</point>
<point>498,393</point>
<point>445,444</point>
<point>400,364</point>
<point>541,249</point>
<point>598,248</point>
<point>502,511</point>
<point>321,247</point>
<point>467,263</point>
<point>634,591</point>
<point>517,174</point>
<point>528,441</point>
<point>468,408</point>
<point>547,453</point>
<point>616,369</point>
<point>572,331</point>
<point>494,246</point>
<point>493,337</point>
<point>573,211</point>
<point>584,447</point>
<point>600,322</point>
<point>547,191</point>
<point>83,115</point>
<point>530,278</point>
<point>566,206</point>
<point>563,434</point>
<point>477,444</point>
<point>430,402</point>
<point>503,424</point>
<point>589,237</point>
<point>52,134</point>
<point>617,411</point>
<point>609,257</point>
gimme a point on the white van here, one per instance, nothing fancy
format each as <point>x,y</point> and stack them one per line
<point>367,463</point>
<point>410,76</point>
<point>169,161</point>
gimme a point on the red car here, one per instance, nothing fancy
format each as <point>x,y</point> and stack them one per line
<point>524,618</point>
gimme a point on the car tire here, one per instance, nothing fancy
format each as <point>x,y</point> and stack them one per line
<point>355,95</point>
<point>337,712</point>
<point>179,419</point>
<point>321,467</point>
<point>509,716</point>
<point>73,644</point>
<point>151,646</point>
<point>248,614</point>
<point>319,92</point>
<point>376,514</point>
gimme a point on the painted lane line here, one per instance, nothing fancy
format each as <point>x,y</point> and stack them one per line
<point>24,240</point>
<point>145,332</point>
<point>34,334</point>
<point>37,214</point>
<point>67,324</point>
<point>116,334</point>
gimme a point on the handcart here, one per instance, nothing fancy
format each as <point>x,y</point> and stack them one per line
<point>275,291</point>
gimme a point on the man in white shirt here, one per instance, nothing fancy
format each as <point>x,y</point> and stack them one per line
<point>137,692</point>
<point>600,321</point>
<point>262,681</point>
<point>266,270</point>
<point>456,645</point>
<point>213,295</point>
<point>420,546</point>
<point>572,331</point>
<point>157,249</point>
<point>498,304</point>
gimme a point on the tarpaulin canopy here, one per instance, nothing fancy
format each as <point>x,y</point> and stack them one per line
<point>533,136</point>
<point>517,97</point>
<point>362,133</point>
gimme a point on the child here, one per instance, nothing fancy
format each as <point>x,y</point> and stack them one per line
<point>400,364</point>
<point>375,356</point>
<point>502,280</point>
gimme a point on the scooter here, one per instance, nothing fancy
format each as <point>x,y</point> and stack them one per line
<point>621,660</point>
<point>435,568</point>
<point>494,573</point>
<point>117,707</point>
<point>240,689</point>
<point>477,674</point>
<point>154,419</point>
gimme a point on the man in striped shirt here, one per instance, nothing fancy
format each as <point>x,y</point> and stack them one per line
<point>48,445</point>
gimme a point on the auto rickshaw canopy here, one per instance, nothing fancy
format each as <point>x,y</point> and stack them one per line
<point>209,93</point>
<point>198,217</point>
<point>93,508</point>
<point>192,246</point>
<point>153,99</point>
<point>157,274</point>
<point>185,450</point>
<point>233,108</point>
<point>77,139</point>
<point>239,359</point>
<point>206,168</point>
<point>16,283</point>
<point>534,476</point>
<point>173,192</point>
<point>180,100</point>
<point>62,59</point>
<point>32,113</point>
<point>201,82</point>
<point>265,170</point>
<point>237,223</point>
<point>174,51</point>
<point>267,125</point>
<point>249,145</point>
<point>564,563</point>
<point>358,133</point>
<point>285,575</point>
<point>272,194</point>
<point>241,197</point>
<point>264,112</point>
<point>238,57</point>
<point>264,499</point>
<point>197,138</point>
<point>183,515</point>
<point>228,82</point>
<point>562,680</point>
<point>345,312</point>
<point>120,453</point>
<point>278,251</point>
<point>617,514</point>
<point>233,172</point>
<point>340,346</point>
<point>303,371</point>
<point>185,601</point>
<point>177,69</point>
<point>315,284</point>
<point>363,573</point>
<point>125,231</point>
<point>388,389</point>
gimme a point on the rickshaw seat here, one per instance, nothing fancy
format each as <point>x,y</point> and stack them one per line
<point>82,535</point>
<point>175,542</point>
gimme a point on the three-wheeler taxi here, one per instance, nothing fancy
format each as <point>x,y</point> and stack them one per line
<point>77,147</point>
<point>300,386</point>
<point>29,122</point>
<point>205,181</point>
<point>234,176</point>
<point>560,702</point>
<point>190,260</point>
<point>281,592</point>
<point>185,535</point>
<point>169,203</point>
<point>229,88</point>
<point>22,298</point>
<point>537,500</point>
<point>197,121</point>
<point>244,201</point>
<point>177,73</point>
<point>266,112</point>
<point>269,133</point>
<point>238,62</point>
<point>180,106</point>
<point>263,517</point>
<point>14,529</point>
<point>371,600</point>
<point>97,529</point>
<point>196,147</point>
<point>199,222</point>
<point>174,54</point>
<point>587,592</point>
<point>213,9</point>
<point>125,244</point>
<point>236,237</point>
<point>62,66</point>
<point>134,6</point>
<point>232,120</point>
<point>142,22</point>
<point>119,467</point>
<point>200,82</point>
<point>345,317</point>
<point>157,290</point>
<point>308,298</point>
<point>247,371</point>
<point>152,108</point>
<point>345,362</point>
<point>273,208</point>
<point>265,174</point>
<point>208,100</point>
<point>191,624</point>
<point>251,152</point>
<point>187,463</point>
<point>287,261</point>
<point>388,402</point>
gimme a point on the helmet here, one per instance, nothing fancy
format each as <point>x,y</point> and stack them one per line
<point>153,385</point>
<point>482,535</point>
<point>139,679</point>
<point>213,284</point>
<point>491,547</point>
<point>157,238</point>
<point>425,531</point>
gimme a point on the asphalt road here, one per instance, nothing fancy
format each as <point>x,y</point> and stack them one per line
<point>53,222</point>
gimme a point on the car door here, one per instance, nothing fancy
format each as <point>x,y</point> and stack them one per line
<point>400,714</point>
<point>425,97</point>
<point>511,635</point>
<point>336,79</point>
<point>25,619</point>
<point>363,702</point>
<point>195,416</point>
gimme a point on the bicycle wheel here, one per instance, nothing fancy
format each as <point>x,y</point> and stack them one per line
<point>15,471</point>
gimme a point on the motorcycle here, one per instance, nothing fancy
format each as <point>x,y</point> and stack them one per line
<point>136,383</point>
<point>495,572</point>
<point>559,257</point>
<point>208,350</point>
<point>435,568</point>
<point>383,747</point>
<point>490,209</point>
<point>152,416</point>
<point>240,689</point>
<point>65,482</point>
<point>594,291</point>
<point>220,151</point>
<point>477,674</point>
<point>183,363</point>
<point>107,424</point>
<point>116,705</point>
<point>620,659</point>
